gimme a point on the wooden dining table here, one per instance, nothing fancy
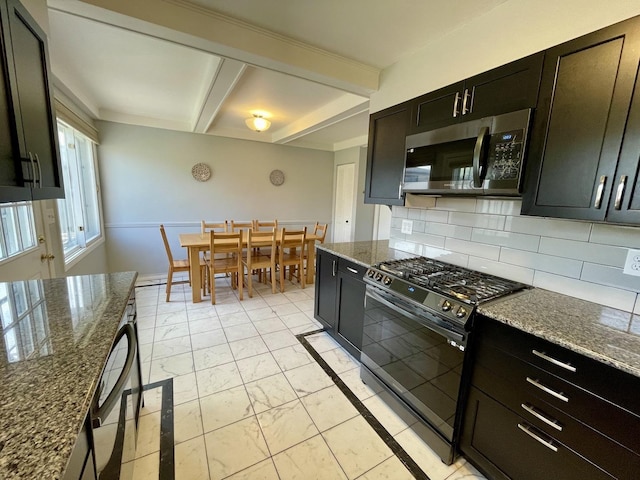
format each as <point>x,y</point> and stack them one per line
<point>198,242</point>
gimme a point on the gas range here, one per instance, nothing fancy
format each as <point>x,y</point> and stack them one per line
<point>451,291</point>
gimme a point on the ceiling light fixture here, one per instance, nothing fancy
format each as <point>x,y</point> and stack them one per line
<point>258,123</point>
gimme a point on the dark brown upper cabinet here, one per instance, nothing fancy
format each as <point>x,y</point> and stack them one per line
<point>575,165</point>
<point>508,88</point>
<point>385,155</point>
<point>29,155</point>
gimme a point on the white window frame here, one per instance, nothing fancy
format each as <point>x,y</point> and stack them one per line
<point>16,227</point>
<point>84,247</point>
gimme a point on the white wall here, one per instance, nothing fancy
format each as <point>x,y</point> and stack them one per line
<point>146,180</point>
<point>580,259</point>
<point>512,30</point>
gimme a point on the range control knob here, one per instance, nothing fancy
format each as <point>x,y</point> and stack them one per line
<point>461,312</point>
<point>370,273</point>
<point>446,306</point>
<point>378,276</point>
<point>386,280</point>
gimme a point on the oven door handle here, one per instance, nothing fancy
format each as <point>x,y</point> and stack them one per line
<point>431,325</point>
<point>480,158</point>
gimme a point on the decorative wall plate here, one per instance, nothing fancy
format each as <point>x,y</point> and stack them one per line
<point>201,172</point>
<point>276,177</point>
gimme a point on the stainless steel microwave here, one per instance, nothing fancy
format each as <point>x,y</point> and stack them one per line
<point>480,157</point>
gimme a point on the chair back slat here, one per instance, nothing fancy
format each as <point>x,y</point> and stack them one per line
<point>232,242</point>
<point>166,244</point>
<point>258,239</point>
<point>236,226</point>
<point>293,238</point>
<point>320,229</point>
<point>217,226</point>
<point>265,224</point>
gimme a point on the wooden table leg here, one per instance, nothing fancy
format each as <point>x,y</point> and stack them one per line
<point>196,286</point>
<point>311,262</point>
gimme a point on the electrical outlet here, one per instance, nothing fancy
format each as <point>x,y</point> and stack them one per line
<point>407,227</point>
<point>632,264</point>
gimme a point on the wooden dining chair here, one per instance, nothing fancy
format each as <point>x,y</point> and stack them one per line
<point>236,226</point>
<point>320,229</point>
<point>291,255</point>
<point>176,266</point>
<point>265,224</point>
<point>230,245</point>
<point>222,226</point>
<point>255,260</point>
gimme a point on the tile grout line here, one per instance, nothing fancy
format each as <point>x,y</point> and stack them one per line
<point>386,437</point>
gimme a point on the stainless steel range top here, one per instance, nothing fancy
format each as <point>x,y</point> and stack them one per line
<point>453,292</point>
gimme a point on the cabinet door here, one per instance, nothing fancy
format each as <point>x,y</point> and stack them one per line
<point>504,89</point>
<point>11,183</point>
<point>585,94</point>
<point>624,206</point>
<point>437,109</point>
<point>386,155</point>
<point>351,290</point>
<point>326,288</point>
<point>34,105</point>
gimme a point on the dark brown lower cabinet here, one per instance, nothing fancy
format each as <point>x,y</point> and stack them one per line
<point>339,300</point>
<point>537,410</point>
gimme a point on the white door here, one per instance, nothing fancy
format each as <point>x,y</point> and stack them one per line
<point>23,243</point>
<point>343,214</point>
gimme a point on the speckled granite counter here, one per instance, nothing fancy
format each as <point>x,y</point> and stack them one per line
<point>365,253</point>
<point>57,335</point>
<point>602,333</point>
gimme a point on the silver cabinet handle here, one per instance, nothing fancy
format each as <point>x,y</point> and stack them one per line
<point>455,105</point>
<point>547,443</point>
<point>352,270</point>
<point>466,97</point>
<point>33,168</point>
<point>546,357</point>
<point>620,192</point>
<point>546,389</point>
<point>39,171</point>
<point>598,202</point>
<point>333,268</point>
<point>532,410</point>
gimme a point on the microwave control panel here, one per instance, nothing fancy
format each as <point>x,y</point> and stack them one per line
<point>504,161</point>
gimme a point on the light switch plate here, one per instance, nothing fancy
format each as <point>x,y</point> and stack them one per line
<point>407,227</point>
<point>50,216</point>
<point>632,264</point>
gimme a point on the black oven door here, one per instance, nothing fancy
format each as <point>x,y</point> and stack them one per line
<point>415,354</point>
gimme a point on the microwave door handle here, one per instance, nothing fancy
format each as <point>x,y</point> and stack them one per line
<point>479,161</point>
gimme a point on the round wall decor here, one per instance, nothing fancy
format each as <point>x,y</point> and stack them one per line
<point>276,177</point>
<point>201,172</point>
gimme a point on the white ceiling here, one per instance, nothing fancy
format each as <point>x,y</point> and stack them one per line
<point>124,62</point>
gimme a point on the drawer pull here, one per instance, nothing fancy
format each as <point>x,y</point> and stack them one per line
<point>536,383</point>
<point>558,363</point>
<point>352,270</point>
<point>532,410</point>
<point>547,443</point>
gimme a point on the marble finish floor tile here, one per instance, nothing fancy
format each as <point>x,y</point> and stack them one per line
<point>250,402</point>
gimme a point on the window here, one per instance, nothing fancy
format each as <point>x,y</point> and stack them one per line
<point>17,229</point>
<point>80,220</point>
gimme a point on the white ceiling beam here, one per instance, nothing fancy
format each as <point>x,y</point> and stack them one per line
<point>192,25</point>
<point>120,117</point>
<point>221,87</point>
<point>340,109</point>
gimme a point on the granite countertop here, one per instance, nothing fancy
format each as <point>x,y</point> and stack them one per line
<point>602,333</point>
<point>57,335</point>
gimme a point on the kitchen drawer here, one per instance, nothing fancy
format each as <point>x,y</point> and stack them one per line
<point>602,380</point>
<point>517,387</point>
<point>493,439</point>
<point>584,440</point>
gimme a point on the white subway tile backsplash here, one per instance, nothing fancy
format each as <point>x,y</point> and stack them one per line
<point>478,220</point>
<point>438,216</point>
<point>593,292</point>
<point>549,227</point>
<point>491,252</point>
<point>588,252</point>
<point>455,204</point>
<point>446,230</point>
<point>576,258</point>
<point>616,235</point>
<point>426,239</point>
<point>611,276</point>
<point>546,263</point>
<point>520,241</point>
<point>512,272</point>
<point>509,206</point>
